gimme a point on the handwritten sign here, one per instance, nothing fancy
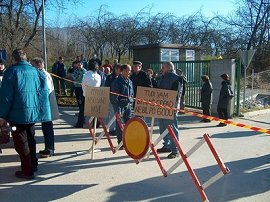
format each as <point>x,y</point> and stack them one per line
<point>97,101</point>
<point>158,96</point>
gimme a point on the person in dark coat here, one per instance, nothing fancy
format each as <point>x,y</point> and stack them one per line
<point>109,80</point>
<point>122,104</point>
<point>139,77</point>
<point>206,97</point>
<point>95,59</point>
<point>60,70</point>
<point>225,96</point>
<point>183,81</point>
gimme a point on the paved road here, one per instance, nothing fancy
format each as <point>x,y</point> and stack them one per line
<point>115,177</point>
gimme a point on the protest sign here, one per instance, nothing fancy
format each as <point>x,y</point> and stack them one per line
<point>159,96</point>
<point>97,101</point>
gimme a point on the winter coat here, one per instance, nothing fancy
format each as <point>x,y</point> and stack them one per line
<point>59,69</point>
<point>171,81</point>
<point>52,97</point>
<point>124,87</point>
<point>90,78</point>
<point>140,79</point>
<point>24,95</point>
<point>224,95</point>
<point>206,93</point>
<point>78,76</point>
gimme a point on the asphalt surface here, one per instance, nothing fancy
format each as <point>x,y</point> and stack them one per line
<point>116,177</point>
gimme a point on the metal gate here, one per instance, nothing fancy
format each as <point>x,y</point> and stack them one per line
<point>193,70</point>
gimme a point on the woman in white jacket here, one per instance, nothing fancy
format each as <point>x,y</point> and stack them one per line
<point>47,127</point>
<point>90,78</point>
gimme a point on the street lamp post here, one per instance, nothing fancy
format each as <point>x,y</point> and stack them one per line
<point>44,35</point>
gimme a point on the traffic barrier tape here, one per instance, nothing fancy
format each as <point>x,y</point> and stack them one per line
<point>241,125</point>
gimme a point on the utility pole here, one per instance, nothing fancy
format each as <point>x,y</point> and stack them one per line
<point>44,36</point>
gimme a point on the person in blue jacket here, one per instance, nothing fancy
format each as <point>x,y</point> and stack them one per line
<point>122,104</point>
<point>24,101</point>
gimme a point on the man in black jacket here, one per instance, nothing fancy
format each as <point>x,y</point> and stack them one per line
<point>206,97</point>
<point>139,77</point>
<point>225,97</point>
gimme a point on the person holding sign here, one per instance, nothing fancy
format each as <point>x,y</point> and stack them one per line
<point>122,104</point>
<point>90,78</point>
<point>169,81</point>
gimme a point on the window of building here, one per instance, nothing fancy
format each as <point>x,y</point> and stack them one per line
<point>169,55</point>
<point>190,55</point>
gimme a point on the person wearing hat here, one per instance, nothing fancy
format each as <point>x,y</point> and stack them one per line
<point>206,97</point>
<point>225,96</point>
<point>139,77</point>
<point>2,69</point>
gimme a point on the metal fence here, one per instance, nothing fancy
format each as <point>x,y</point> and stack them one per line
<point>192,71</point>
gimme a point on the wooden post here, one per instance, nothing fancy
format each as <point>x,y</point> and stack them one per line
<point>151,133</point>
<point>94,138</point>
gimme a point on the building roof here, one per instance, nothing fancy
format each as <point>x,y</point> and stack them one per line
<point>176,46</point>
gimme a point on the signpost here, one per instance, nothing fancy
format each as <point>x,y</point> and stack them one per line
<point>246,57</point>
<point>96,105</point>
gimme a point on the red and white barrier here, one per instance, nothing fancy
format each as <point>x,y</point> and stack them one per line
<point>184,159</point>
<point>105,132</point>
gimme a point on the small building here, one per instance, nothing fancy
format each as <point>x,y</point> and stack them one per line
<point>154,53</point>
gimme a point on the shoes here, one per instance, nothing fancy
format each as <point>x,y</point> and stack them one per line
<point>21,175</point>
<point>172,155</point>
<point>121,148</point>
<point>45,153</point>
<point>221,125</point>
<point>163,150</point>
<point>112,133</point>
<point>78,126</point>
<point>205,121</point>
<point>35,169</point>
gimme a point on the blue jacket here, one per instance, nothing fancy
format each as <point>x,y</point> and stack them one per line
<point>24,95</point>
<point>78,76</point>
<point>124,87</point>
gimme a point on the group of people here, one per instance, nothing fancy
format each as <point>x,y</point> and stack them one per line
<point>225,96</point>
<point>124,80</point>
<point>27,96</point>
<point>62,72</point>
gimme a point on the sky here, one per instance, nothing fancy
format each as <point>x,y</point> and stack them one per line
<point>130,7</point>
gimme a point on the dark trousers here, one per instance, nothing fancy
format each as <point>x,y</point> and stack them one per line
<point>72,90</point>
<point>25,146</point>
<point>80,101</point>
<point>48,133</point>
<point>60,86</point>
<point>126,115</point>
<point>222,113</point>
<point>206,109</point>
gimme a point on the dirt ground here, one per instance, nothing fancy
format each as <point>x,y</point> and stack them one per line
<point>261,80</point>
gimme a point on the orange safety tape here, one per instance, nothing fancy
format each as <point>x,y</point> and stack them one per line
<point>241,125</point>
